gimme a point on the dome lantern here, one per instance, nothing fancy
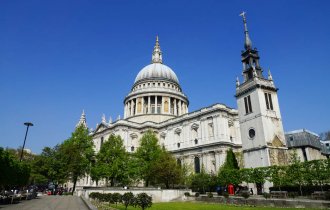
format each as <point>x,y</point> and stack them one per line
<point>157,53</point>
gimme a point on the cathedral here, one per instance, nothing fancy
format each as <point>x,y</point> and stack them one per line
<point>201,138</point>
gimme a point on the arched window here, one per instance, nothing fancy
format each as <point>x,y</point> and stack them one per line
<point>197,165</point>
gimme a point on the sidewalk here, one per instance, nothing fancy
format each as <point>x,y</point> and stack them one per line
<point>45,202</point>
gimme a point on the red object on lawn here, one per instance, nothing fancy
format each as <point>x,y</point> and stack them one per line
<point>231,189</point>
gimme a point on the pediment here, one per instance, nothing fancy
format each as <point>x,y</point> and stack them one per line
<point>277,142</point>
<point>100,128</point>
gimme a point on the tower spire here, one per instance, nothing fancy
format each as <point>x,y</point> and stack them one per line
<point>247,43</point>
<point>103,119</point>
<point>157,53</point>
<point>82,120</point>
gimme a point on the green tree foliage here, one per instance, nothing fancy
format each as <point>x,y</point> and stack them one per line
<point>296,172</point>
<point>277,175</point>
<point>111,161</point>
<point>229,176</point>
<point>13,172</point>
<point>317,172</point>
<point>48,167</point>
<point>200,182</point>
<point>127,199</point>
<point>147,155</point>
<point>76,154</point>
<point>143,201</point>
<point>166,170</point>
<point>231,161</point>
<point>229,173</point>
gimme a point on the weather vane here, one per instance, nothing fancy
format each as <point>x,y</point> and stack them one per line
<point>242,15</point>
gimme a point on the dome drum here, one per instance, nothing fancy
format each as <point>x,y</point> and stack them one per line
<point>156,94</point>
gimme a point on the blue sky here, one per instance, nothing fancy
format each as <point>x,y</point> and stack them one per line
<point>60,57</point>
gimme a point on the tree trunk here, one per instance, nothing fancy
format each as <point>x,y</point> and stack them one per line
<point>74,184</point>
<point>112,183</point>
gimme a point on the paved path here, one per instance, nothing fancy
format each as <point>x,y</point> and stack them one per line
<point>46,202</point>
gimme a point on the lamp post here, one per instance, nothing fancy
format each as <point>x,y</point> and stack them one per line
<point>28,124</point>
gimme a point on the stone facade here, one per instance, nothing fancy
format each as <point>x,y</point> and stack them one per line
<point>201,138</point>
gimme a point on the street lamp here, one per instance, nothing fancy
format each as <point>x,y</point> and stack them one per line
<point>28,124</point>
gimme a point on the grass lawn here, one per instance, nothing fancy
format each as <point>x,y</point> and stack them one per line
<point>197,206</point>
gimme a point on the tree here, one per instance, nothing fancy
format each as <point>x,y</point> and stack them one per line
<point>200,182</point>
<point>277,175</point>
<point>229,176</point>
<point>318,171</point>
<point>48,167</point>
<point>166,170</point>
<point>13,172</point>
<point>111,161</point>
<point>325,135</point>
<point>229,173</point>
<point>76,153</point>
<point>296,172</point>
<point>147,155</point>
<point>127,199</point>
<point>143,200</point>
<point>231,161</point>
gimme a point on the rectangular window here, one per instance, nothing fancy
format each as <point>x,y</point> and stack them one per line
<point>269,101</point>
<point>266,98</point>
<point>248,104</point>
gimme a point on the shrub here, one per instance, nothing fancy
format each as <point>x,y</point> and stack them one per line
<point>127,199</point>
<point>95,195</point>
<point>245,195</point>
<point>197,194</point>
<point>143,200</point>
<point>187,194</point>
<point>106,197</point>
<point>210,194</point>
<point>266,195</point>
<point>116,197</point>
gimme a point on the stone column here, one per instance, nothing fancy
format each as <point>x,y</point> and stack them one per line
<point>162,111</point>
<point>132,107</point>
<point>136,103</point>
<point>142,104</point>
<point>169,105</point>
<point>156,111</point>
<point>149,107</point>
<point>180,108</point>
<point>175,112</point>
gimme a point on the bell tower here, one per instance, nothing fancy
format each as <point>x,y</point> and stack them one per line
<point>261,126</point>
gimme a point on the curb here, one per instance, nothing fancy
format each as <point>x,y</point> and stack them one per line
<point>88,204</point>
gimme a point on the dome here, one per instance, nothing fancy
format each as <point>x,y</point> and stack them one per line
<point>157,71</point>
